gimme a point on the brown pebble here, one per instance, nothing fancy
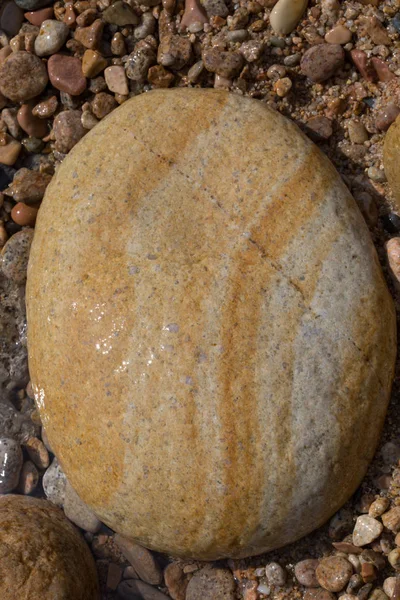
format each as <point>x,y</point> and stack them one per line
<point>90,37</point>
<point>4,54</point>
<point>174,51</point>
<point>3,235</point>
<point>87,17</point>
<point>391,519</point>
<point>377,32</point>
<point>22,76</point>
<point>93,63</point>
<point>368,572</point>
<point>321,127</point>
<point>103,104</point>
<point>28,186</point>
<point>382,70</point>
<point>159,76</point>
<point>38,16</point>
<point>114,576</point>
<point>65,74</point>
<point>320,62</point>
<point>361,62</point>
<point>347,547</point>
<point>333,573</point>
<point>175,581</point>
<point>9,151</point>
<point>28,479</point>
<point>32,125</point>
<point>141,559</point>
<point>318,594</point>
<point>386,116</point>
<point>37,452</point>
<point>338,35</point>
<point>69,15</point>
<point>22,214</point>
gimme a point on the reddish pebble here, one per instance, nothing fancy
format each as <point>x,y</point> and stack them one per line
<point>32,125</point>
<point>38,16</point>
<point>65,74</point>
<point>382,70</point>
<point>385,117</point>
<point>23,215</point>
<point>360,60</point>
<point>69,15</point>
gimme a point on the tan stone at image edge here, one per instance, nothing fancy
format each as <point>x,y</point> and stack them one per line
<point>391,160</point>
<point>211,339</point>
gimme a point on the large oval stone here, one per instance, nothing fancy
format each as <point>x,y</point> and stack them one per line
<point>391,158</point>
<point>211,338</point>
<point>42,555</point>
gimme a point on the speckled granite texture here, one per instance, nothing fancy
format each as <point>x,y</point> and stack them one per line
<point>211,339</point>
<point>42,555</point>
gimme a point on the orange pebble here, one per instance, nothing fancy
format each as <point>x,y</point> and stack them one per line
<point>22,214</point>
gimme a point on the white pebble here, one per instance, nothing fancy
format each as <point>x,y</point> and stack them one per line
<point>51,38</point>
<point>367,529</point>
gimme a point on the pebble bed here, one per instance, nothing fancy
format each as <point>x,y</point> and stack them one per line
<point>332,67</point>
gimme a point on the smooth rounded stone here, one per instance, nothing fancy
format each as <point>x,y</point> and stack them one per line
<point>132,589</point>
<point>318,594</point>
<point>65,73</point>
<point>78,512</point>
<point>11,18</point>
<point>177,346</point>
<point>357,131</point>
<point>394,558</point>
<point>366,530</point>
<point>68,130</point>
<point>175,581</point>
<point>52,36</point>
<point>275,574</point>
<point>224,63</point>
<point>391,155</point>
<point>54,483</point>
<point>320,62</point>
<point>386,116</point>
<point>22,76</point>
<point>305,572</point>
<point>32,125</point>
<point>215,8</point>
<point>93,63</point>
<point>11,460</point>
<point>28,479</point>
<point>333,573</point>
<point>286,15</point>
<point>24,215</point>
<point>141,560</point>
<point>14,256</point>
<point>211,583</point>
<point>338,35</point>
<point>90,36</point>
<point>42,555</point>
<point>381,504</point>
<point>120,14</point>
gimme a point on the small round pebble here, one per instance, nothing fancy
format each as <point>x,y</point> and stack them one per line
<point>394,558</point>
<point>320,62</point>
<point>366,530</point>
<point>11,18</point>
<point>14,256</point>
<point>78,512</point>
<point>32,125</point>
<point>11,460</point>
<point>23,215</point>
<point>38,16</point>
<point>393,254</point>
<point>305,572</point>
<point>286,14</point>
<point>52,36</point>
<point>22,76</point>
<point>333,573</point>
<point>338,35</point>
<point>65,73</point>
<point>211,583</point>
<point>116,80</point>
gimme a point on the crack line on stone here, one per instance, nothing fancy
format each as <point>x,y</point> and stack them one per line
<point>276,266</point>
